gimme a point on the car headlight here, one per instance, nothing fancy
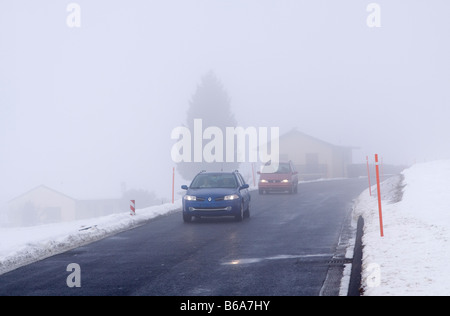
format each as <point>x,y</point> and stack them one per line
<point>285,181</point>
<point>231,197</point>
<point>190,198</point>
<point>263,181</point>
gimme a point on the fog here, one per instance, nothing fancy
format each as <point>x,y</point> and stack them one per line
<point>87,109</point>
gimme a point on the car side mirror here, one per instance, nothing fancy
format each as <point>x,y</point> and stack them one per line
<point>295,172</point>
<point>184,187</point>
<point>245,186</point>
<point>258,172</point>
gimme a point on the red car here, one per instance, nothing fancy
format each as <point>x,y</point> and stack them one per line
<point>285,178</point>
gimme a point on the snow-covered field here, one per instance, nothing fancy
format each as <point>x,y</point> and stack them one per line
<point>21,246</point>
<point>413,256</point>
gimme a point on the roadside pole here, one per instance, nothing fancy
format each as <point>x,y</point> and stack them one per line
<point>377,167</point>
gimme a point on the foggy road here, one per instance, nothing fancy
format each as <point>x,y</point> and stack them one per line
<point>284,249</point>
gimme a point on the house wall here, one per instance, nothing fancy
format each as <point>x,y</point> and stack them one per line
<point>314,158</point>
<point>41,205</point>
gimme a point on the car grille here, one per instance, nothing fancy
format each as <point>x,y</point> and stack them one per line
<point>202,199</point>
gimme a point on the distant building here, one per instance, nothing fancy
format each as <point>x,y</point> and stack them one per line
<point>43,205</point>
<point>315,158</point>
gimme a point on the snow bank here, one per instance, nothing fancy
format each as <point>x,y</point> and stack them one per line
<point>21,246</point>
<point>412,257</point>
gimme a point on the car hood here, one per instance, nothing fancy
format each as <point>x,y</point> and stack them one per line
<point>211,192</point>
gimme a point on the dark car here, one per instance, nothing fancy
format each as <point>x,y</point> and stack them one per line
<point>216,194</point>
<point>283,178</point>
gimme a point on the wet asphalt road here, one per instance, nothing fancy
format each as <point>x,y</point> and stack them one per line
<point>283,249</point>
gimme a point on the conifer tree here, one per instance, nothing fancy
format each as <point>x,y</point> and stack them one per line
<point>211,104</point>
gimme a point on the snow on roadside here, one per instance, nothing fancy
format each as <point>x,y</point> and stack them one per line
<point>412,257</point>
<point>24,245</point>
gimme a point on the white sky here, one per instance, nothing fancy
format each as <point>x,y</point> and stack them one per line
<point>84,109</point>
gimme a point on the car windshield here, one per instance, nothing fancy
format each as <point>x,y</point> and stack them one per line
<point>214,180</point>
<point>282,168</point>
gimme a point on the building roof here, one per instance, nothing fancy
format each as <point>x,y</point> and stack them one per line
<point>38,187</point>
<point>296,133</point>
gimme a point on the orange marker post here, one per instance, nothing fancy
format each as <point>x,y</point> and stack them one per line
<point>377,167</point>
